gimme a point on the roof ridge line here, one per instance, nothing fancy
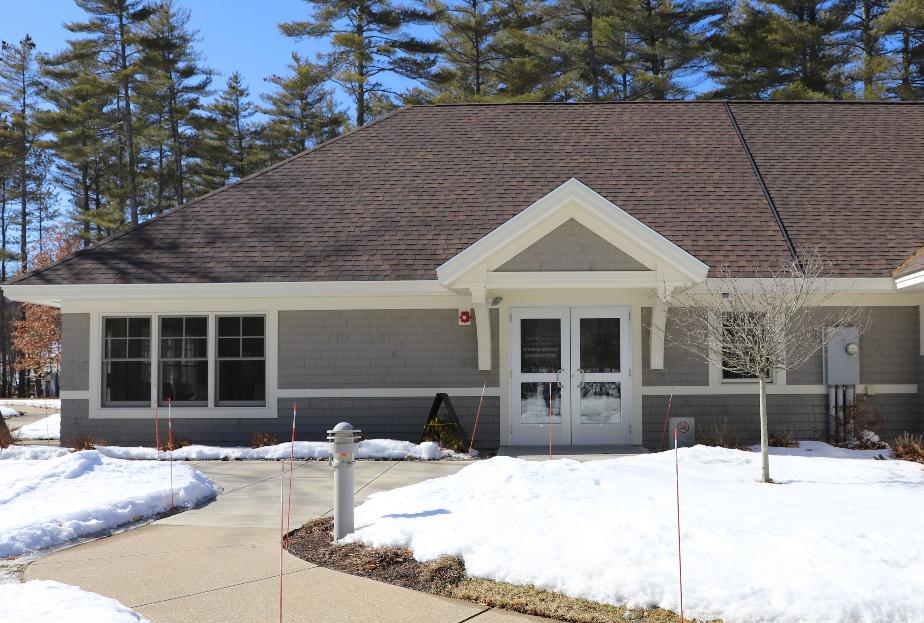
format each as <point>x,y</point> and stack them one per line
<point>763,187</point>
<point>191,202</point>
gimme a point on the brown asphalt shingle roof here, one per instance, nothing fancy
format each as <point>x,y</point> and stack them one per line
<point>399,197</point>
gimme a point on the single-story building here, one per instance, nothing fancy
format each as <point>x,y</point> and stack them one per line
<point>508,247</point>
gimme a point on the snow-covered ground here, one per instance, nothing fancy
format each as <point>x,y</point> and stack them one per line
<point>46,428</point>
<point>376,449</point>
<point>822,449</point>
<point>836,540</point>
<point>44,601</point>
<point>47,502</point>
<point>47,403</point>
<point>32,453</point>
<point>9,412</point>
<point>368,449</point>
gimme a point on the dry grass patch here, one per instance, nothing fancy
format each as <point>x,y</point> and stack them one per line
<point>83,441</point>
<point>908,447</point>
<point>261,440</point>
<point>782,439</point>
<point>446,576</point>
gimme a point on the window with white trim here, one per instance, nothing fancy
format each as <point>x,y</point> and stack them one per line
<point>739,328</point>
<point>126,362</point>
<point>241,361</point>
<point>183,361</point>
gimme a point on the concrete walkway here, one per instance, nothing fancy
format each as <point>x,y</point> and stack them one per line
<point>221,563</point>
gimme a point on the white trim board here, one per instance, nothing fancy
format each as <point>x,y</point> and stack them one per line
<point>385,392</point>
<point>54,294</point>
<point>750,389</point>
<point>909,281</point>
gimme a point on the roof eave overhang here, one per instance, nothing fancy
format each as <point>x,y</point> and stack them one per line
<point>911,282</point>
<point>54,295</point>
<point>572,199</point>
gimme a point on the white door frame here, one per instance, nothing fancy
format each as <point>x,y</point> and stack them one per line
<point>538,434</point>
<point>610,433</point>
<point>562,430</point>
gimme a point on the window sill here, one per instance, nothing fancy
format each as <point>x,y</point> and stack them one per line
<point>179,413</point>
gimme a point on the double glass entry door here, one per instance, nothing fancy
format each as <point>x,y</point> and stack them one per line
<point>570,375</point>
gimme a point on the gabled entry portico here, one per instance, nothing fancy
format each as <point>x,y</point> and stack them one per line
<point>569,276</point>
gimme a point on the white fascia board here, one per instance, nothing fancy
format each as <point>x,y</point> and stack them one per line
<point>588,200</point>
<point>910,281</point>
<point>53,295</point>
<point>854,285</point>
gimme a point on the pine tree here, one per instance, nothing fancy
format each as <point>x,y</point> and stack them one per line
<point>745,64</point>
<point>114,28</point>
<point>904,21</point>
<point>232,149</point>
<point>470,53</point>
<point>786,49</point>
<point>667,43</point>
<point>301,111</point>
<point>367,39</point>
<point>20,85</point>
<point>871,65</point>
<point>170,94</point>
<point>80,134</point>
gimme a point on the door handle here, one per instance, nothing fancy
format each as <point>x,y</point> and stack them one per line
<point>558,377</point>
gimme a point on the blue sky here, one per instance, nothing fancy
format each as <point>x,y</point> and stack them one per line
<point>235,34</point>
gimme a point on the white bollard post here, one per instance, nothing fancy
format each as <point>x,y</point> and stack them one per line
<point>344,442</point>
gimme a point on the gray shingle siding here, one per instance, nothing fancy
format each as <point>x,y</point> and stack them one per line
<point>801,415</point>
<point>680,366</point>
<point>75,352</point>
<point>888,350</point>
<point>395,418</point>
<point>571,246</point>
<point>381,348</point>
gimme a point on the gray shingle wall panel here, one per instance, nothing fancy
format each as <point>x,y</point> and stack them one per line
<point>75,352</point>
<point>803,416</point>
<point>393,418</point>
<point>571,246</point>
<point>381,348</point>
<point>680,366</point>
<point>888,350</point>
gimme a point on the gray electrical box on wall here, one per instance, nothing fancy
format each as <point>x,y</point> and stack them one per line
<point>842,356</point>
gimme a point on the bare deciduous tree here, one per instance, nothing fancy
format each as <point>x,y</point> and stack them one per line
<point>754,328</point>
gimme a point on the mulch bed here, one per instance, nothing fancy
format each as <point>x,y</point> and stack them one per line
<point>446,577</point>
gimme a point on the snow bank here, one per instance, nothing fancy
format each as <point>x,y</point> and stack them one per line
<point>48,403</point>
<point>46,503</point>
<point>44,601</point>
<point>368,449</point>
<point>836,540</point>
<point>46,428</point>
<point>9,412</point>
<point>822,449</point>
<point>32,453</point>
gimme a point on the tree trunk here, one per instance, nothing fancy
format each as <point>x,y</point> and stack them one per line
<point>129,126</point>
<point>592,58</point>
<point>24,181</point>
<point>361,74</point>
<point>764,435</point>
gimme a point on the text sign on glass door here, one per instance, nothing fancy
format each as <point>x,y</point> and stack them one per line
<point>540,345</point>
